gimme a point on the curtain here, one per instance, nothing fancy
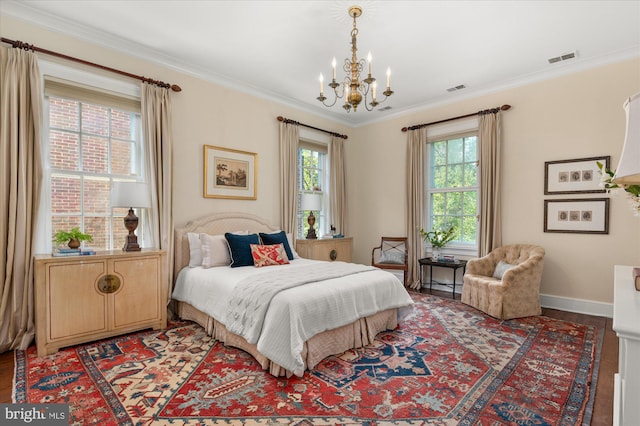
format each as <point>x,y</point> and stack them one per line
<point>417,144</point>
<point>288,176</point>
<point>20,186</point>
<point>157,130</point>
<point>337,185</point>
<point>489,137</point>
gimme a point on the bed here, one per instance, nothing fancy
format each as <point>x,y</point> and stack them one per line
<point>303,324</point>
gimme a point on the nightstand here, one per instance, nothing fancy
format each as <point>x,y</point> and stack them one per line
<point>329,249</point>
<point>83,298</point>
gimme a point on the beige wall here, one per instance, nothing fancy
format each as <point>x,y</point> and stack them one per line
<point>575,116</point>
<point>569,117</point>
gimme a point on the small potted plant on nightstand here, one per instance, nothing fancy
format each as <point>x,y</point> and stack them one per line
<point>73,238</point>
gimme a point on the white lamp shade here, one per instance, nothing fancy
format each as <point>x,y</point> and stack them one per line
<point>130,194</point>
<point>311,201</point>
<point>628,170</point>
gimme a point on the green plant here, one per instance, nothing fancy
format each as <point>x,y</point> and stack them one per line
<point>62,237</point>
<point>632,191</point>
<point>439,237</point>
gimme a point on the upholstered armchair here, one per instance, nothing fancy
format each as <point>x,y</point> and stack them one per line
<point>505,283</point>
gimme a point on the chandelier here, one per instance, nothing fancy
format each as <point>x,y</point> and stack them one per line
<point>352,89</point>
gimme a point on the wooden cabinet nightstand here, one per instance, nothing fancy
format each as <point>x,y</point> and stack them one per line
<point>84,298</point>
<point>326,249</point>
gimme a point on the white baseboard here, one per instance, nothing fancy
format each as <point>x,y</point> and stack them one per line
<point>580,306</point>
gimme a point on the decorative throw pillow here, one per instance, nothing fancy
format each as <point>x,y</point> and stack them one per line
<point>392,256</point>
<point>501,268</point>
<point>273,254</point>
<point>239,246</point>
<point>215,251</point>
<point>277,238</point>
<point>195,249</point>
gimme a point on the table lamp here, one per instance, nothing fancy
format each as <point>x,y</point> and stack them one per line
<point>130,194</point>
<point>628,170</point>
<point>311,201</point>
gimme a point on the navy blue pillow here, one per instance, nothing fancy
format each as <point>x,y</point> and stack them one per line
<point>239,246</point>
<point>277,238</point>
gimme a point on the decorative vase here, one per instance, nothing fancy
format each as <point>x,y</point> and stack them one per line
<point>435,253</point>
<point>74,243</point>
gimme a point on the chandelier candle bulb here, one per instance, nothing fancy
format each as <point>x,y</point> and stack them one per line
<point>369,61</point>
<point>388,78</point>
<point>333,66</point>
<point>374,86</point>
<point>321,84</point>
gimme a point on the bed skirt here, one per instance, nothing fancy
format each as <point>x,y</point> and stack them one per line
<point>331,342</point>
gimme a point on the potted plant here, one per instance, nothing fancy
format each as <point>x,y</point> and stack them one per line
<point>73,238</point>
<point>438,238</point>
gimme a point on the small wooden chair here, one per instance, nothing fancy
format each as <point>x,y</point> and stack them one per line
<point>392,253</point>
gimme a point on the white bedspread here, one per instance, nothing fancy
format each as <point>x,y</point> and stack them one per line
<point>296,314</point>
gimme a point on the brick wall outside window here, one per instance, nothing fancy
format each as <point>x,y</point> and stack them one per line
<point>90,146</point>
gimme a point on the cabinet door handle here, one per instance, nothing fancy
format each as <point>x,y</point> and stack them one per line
<point>109,283</point>
<point>333,254</point>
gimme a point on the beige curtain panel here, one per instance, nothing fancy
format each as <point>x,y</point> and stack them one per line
<point>158,136</point>
<point>20,185</point>
<point>337,185</point>
<point>289,140</point>
<point>489,138</point>
<point>416,146</point>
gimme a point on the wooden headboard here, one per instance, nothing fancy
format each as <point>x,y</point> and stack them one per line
<point>215,224</point>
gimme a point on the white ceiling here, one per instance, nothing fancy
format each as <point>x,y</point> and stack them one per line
<point>277,49</point>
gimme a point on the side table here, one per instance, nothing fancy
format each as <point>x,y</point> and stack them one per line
<point>455,265</point>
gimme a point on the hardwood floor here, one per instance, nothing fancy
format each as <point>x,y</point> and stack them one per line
<point>602,408</point>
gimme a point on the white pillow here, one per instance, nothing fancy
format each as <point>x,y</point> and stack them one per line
<point>293,250</point>
<point>195,250</point>
<point>215,250</point>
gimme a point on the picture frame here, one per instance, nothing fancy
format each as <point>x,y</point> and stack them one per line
<point>578,215</point>
<point>230,173</point>
<point>575,176</point>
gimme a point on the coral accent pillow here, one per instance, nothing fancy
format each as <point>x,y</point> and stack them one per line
<point>273,254</point>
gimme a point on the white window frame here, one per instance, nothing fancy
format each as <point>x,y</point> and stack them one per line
<point>126,89</point>
<point>319,142</point>
<point>441,132</point>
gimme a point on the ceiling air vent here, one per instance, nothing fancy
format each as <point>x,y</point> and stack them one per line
<point>563,57</point>
<point>455,88</point>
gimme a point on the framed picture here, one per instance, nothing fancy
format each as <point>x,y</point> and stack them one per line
<point>574,176</point>
<point>229,173</point>
<point>583,216</point>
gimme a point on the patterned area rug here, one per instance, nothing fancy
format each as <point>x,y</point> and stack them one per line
<point>446,364</point>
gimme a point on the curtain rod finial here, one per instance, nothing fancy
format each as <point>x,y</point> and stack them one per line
<point>404,129</point>
<point>505,107</point>
<point>176,88</point>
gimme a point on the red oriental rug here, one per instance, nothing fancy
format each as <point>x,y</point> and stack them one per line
<point>446,364</point>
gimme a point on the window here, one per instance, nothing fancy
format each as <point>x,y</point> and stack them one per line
<point>452,188</point>
<point>312,177</point>
<point>92,139</point>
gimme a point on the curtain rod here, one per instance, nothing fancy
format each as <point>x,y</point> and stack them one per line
<point>288,121</point>
<point>486,111</point>
<point>21,45</point>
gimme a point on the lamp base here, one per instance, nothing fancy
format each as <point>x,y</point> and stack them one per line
<point>132,243</point>
<point>131,223</point>
<point>311,233</point>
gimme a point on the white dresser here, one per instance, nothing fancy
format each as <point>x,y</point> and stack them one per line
<point>626,324</point>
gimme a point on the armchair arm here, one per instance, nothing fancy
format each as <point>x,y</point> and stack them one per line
<point>373,251</point>
<point>525,274</point>
<point>483,266</point>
